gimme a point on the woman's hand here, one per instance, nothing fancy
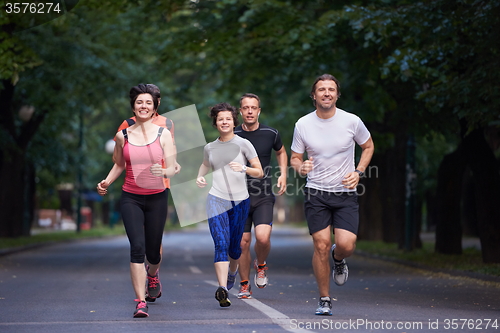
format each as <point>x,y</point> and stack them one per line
<point>156,170</point>
<point>177,168</point>
<point>236,167</point>
<point>201,182</point>
<point>102,187</point>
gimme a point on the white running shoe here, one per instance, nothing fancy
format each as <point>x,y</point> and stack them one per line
<point>325,307</point>
<point>260,275</point>
<point>245,291</point>
<point>340,271</point>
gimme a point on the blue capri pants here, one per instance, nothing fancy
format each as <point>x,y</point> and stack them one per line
<point>226,222</point>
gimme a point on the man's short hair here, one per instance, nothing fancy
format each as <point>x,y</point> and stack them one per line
<point>249,95</point>
<point>325,77</point>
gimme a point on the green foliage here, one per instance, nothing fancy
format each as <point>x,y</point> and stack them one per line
<point>447,49</point>
<point>405,67</point>
<point>469,261</point>
<point>59,236</point>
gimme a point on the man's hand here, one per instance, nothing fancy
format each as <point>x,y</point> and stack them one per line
<point>306,166</point>
<point>281,184</point>
<point>351,180</point>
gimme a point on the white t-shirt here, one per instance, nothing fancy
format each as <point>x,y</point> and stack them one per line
<point>226,183</point>
<point>330,142</point>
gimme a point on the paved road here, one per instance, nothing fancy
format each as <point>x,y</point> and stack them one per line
<point>85,287</point>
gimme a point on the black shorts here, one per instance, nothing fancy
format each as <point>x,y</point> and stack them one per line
<point>338,209</point>
<point>261,211</point>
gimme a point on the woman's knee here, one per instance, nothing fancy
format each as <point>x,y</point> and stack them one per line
<point>137,258</point>
<point>235,254</point>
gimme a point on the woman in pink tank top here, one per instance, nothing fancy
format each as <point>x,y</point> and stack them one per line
<point>140,150</point>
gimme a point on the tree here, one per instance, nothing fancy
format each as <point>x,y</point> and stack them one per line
<point>79,72</point>
<point>450,60</point>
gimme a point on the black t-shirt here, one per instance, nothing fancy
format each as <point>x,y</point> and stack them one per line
<point>264,139</point>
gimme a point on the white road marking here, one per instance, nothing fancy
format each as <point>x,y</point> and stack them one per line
<point>195,270</point>
<point>277,317</point>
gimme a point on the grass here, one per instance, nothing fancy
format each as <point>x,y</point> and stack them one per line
<point>59,236</point>
<point>469,261</point>
<point>50,236</point>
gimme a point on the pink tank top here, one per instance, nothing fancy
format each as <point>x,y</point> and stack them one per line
<point>139,159</point>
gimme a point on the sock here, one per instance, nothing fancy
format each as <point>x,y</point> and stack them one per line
<point>244,282</point>
<point>325,298</point>
<point>263,265</point>
<point>337,261</point>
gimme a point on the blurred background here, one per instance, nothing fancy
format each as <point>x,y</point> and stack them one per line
<point>423,76</point>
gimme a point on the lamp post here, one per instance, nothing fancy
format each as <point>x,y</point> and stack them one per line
<point>109,147</point>
<point>80,175</point>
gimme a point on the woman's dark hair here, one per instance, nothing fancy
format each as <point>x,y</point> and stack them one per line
<point>143,89</point>
<point>214,111</point>
<point>325,77</point>
<point>155,89</point>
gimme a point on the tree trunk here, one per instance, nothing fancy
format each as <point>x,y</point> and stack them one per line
<point>485,170</point>
<point>449,186</point>
<point>11,169</point>
<point>29,198</point>
<point>12,194</point>
<point>469,210</point>
<point>15,197</point>
<point>394,179</point>
<point>371,203</point>
<point>382,206</point>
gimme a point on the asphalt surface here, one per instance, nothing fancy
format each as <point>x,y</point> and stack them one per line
<point>84,286</point>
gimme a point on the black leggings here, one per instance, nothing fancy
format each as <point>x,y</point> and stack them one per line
<point>144,219</point>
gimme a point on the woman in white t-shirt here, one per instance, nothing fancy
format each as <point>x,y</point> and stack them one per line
<point>228,201</point>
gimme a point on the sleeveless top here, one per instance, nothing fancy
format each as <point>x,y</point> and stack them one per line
<point>138,160</point>
<point>157,120</point>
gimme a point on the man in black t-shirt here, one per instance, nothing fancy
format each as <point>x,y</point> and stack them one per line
<point>265,139</point>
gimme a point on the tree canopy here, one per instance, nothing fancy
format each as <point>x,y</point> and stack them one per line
<point>422,71</point>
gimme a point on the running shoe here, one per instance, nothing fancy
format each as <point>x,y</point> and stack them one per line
<point>260,275</point>
<point>141,309</point>
<point>340,271</point>
<point>230,279</point>
<point>153,288</point>
<point>245,291</point>
<point>325,307</point>
<point>221,295</point>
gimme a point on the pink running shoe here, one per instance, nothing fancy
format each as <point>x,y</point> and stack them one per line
<point>141,309</point>
<point>153,288</point>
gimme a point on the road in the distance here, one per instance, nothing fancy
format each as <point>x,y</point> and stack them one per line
<point>85,286</point>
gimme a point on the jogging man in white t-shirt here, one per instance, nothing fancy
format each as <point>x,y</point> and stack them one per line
<point>329,135</point>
